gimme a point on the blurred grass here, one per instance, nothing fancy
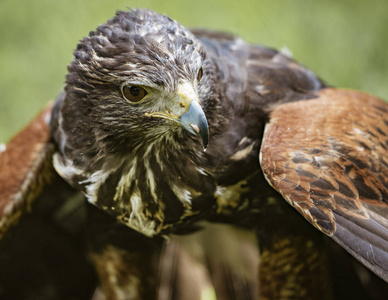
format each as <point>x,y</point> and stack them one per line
<point>344,42</point>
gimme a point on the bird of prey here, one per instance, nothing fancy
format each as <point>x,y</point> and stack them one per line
<point>190,147</point>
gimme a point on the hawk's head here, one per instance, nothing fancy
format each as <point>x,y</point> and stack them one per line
<point>136,69</point>
<point>132,103</point>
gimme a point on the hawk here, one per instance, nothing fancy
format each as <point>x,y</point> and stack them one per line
<point>168,132</point>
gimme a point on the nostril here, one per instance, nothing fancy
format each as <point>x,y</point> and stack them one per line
<point>181,104</point>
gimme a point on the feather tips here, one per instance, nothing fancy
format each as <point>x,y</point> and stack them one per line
<point>25,168</point>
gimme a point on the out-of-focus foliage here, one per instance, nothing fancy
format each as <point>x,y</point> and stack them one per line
<point>345,42</point>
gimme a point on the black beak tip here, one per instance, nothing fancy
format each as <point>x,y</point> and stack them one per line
<point>205,137</point>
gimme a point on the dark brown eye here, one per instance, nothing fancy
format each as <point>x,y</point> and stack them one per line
<point>133,93</point>
<point>200,73</point>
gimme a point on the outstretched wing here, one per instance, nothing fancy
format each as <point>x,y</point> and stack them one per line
<point>328,158</point>
<point>25,167</point>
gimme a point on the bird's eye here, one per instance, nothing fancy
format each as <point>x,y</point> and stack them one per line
<point>133,93</point>
<point>200,73</point>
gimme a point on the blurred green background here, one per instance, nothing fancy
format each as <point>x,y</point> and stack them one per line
<point>344,42</point>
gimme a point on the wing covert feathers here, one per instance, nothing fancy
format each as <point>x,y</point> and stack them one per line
<point>327,157</point>
<point>25,167</point>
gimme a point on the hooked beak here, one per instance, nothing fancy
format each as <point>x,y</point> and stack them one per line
<point>187,113</point>
<point>195,122</point>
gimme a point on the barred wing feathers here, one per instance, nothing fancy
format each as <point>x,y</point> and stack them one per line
<point>327,157</point>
